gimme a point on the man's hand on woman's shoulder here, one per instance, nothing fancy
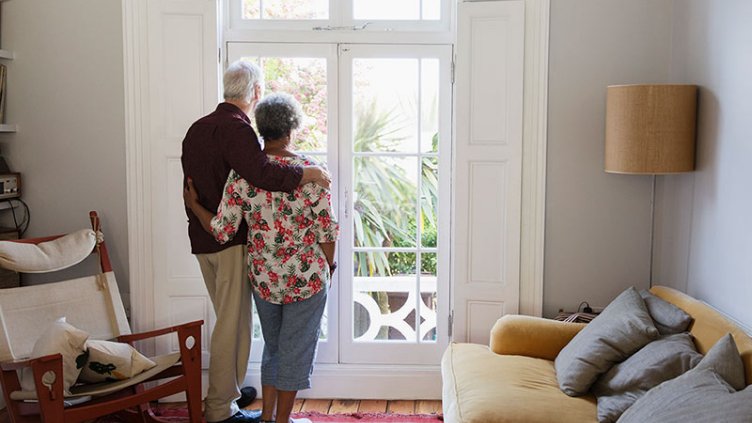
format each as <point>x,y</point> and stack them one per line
<point>317,175</point>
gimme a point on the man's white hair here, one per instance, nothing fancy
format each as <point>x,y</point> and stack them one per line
<point>239,79</point>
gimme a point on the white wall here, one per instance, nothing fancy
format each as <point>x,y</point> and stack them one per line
<point>65,91</point>
<point>597,224</point>
<point>711,48</point>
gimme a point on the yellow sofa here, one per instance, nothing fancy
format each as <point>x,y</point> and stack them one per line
<point>514,380</point>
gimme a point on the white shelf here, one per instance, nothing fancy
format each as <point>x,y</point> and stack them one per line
<point>7,54</point>
<point>8,127</point>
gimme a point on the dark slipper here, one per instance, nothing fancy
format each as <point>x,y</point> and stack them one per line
<point>247,395</point>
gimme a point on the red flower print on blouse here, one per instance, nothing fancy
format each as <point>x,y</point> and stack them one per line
<point>286,262</point>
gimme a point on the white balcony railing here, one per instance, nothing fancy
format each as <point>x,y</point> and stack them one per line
<point>393,286</point>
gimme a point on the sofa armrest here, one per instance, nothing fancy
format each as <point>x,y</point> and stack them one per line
<point>531,336</point>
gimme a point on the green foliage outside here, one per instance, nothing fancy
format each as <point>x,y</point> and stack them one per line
<point>383,208</point>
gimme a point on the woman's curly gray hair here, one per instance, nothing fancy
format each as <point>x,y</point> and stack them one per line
<point>277,115</point>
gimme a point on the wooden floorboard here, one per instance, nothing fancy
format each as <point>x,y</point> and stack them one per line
<point>401,407</point>
<point>372,406</point>
<point>427,407</point>
<point>257,404</point>
<point>327,406</point>
<point>343,407</point>
<point>318,405</point>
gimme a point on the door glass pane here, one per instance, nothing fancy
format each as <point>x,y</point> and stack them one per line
<point>384,296</point>
<point>429,105</point>
<point>385,102</point>
<point>431,10</point>
<point>285,9</point>
<point>397,10</point>
<point>251,9</point>
<point>429,299</point>
<point>429,201</point>
<point>385,201</point>
<point>305,79</point>
<point>387,9</point>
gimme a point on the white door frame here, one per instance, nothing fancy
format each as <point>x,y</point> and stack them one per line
<point>138,174</point>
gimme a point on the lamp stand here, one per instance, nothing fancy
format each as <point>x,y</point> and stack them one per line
<point>652,231</point>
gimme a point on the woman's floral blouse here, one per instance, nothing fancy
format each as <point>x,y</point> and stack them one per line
<point>285,262</point>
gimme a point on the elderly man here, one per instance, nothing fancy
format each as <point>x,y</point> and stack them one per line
<point>214,144</point>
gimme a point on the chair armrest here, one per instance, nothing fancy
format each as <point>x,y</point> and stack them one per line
<point>15,364</point>
<point>531,336</point>
<point>157,332</point>
<point>22,363</point>
<point>48,375</point>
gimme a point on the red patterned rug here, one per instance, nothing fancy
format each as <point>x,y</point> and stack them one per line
<point>175,415</point>
<point>370,417</point>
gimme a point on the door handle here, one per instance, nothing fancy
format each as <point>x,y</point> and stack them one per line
<point>347,203</point>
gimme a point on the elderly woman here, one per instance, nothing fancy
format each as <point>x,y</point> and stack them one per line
<point>291,244</point>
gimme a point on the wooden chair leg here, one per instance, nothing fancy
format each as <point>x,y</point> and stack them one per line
<point>193,395</point>
<point>190,352</point>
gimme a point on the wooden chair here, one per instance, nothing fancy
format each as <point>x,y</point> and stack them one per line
<point>92,304</point>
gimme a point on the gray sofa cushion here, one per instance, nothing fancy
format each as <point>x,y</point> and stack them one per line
<point>655,363</point>
<point>698,396</point>
<point>725,360</point>
<point>621,329</point>
<point>668,318</point>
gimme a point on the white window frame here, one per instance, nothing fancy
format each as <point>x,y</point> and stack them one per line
<point>339,28</point>
<point>401,36</point>
<point>339,346</point>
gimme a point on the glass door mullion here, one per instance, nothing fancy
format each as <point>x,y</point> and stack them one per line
<point>338,10</point>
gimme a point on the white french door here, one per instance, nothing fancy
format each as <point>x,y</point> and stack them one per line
<point>379,117</point>
<point>394,180</point>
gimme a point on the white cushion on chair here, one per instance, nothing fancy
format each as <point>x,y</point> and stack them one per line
<point>49,256</point>
<point>163,362</point>
<point>61,338</point>
<point>110,361</point>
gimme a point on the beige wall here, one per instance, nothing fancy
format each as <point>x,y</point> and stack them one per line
<point>65,91</point>
<point>597,224</point>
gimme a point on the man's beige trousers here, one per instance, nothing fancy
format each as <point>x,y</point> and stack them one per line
<point>226,278</point>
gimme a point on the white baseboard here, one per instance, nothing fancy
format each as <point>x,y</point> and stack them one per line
<point>351,381</point>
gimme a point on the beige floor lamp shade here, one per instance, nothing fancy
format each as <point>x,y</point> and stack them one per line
<point>650,129</point>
